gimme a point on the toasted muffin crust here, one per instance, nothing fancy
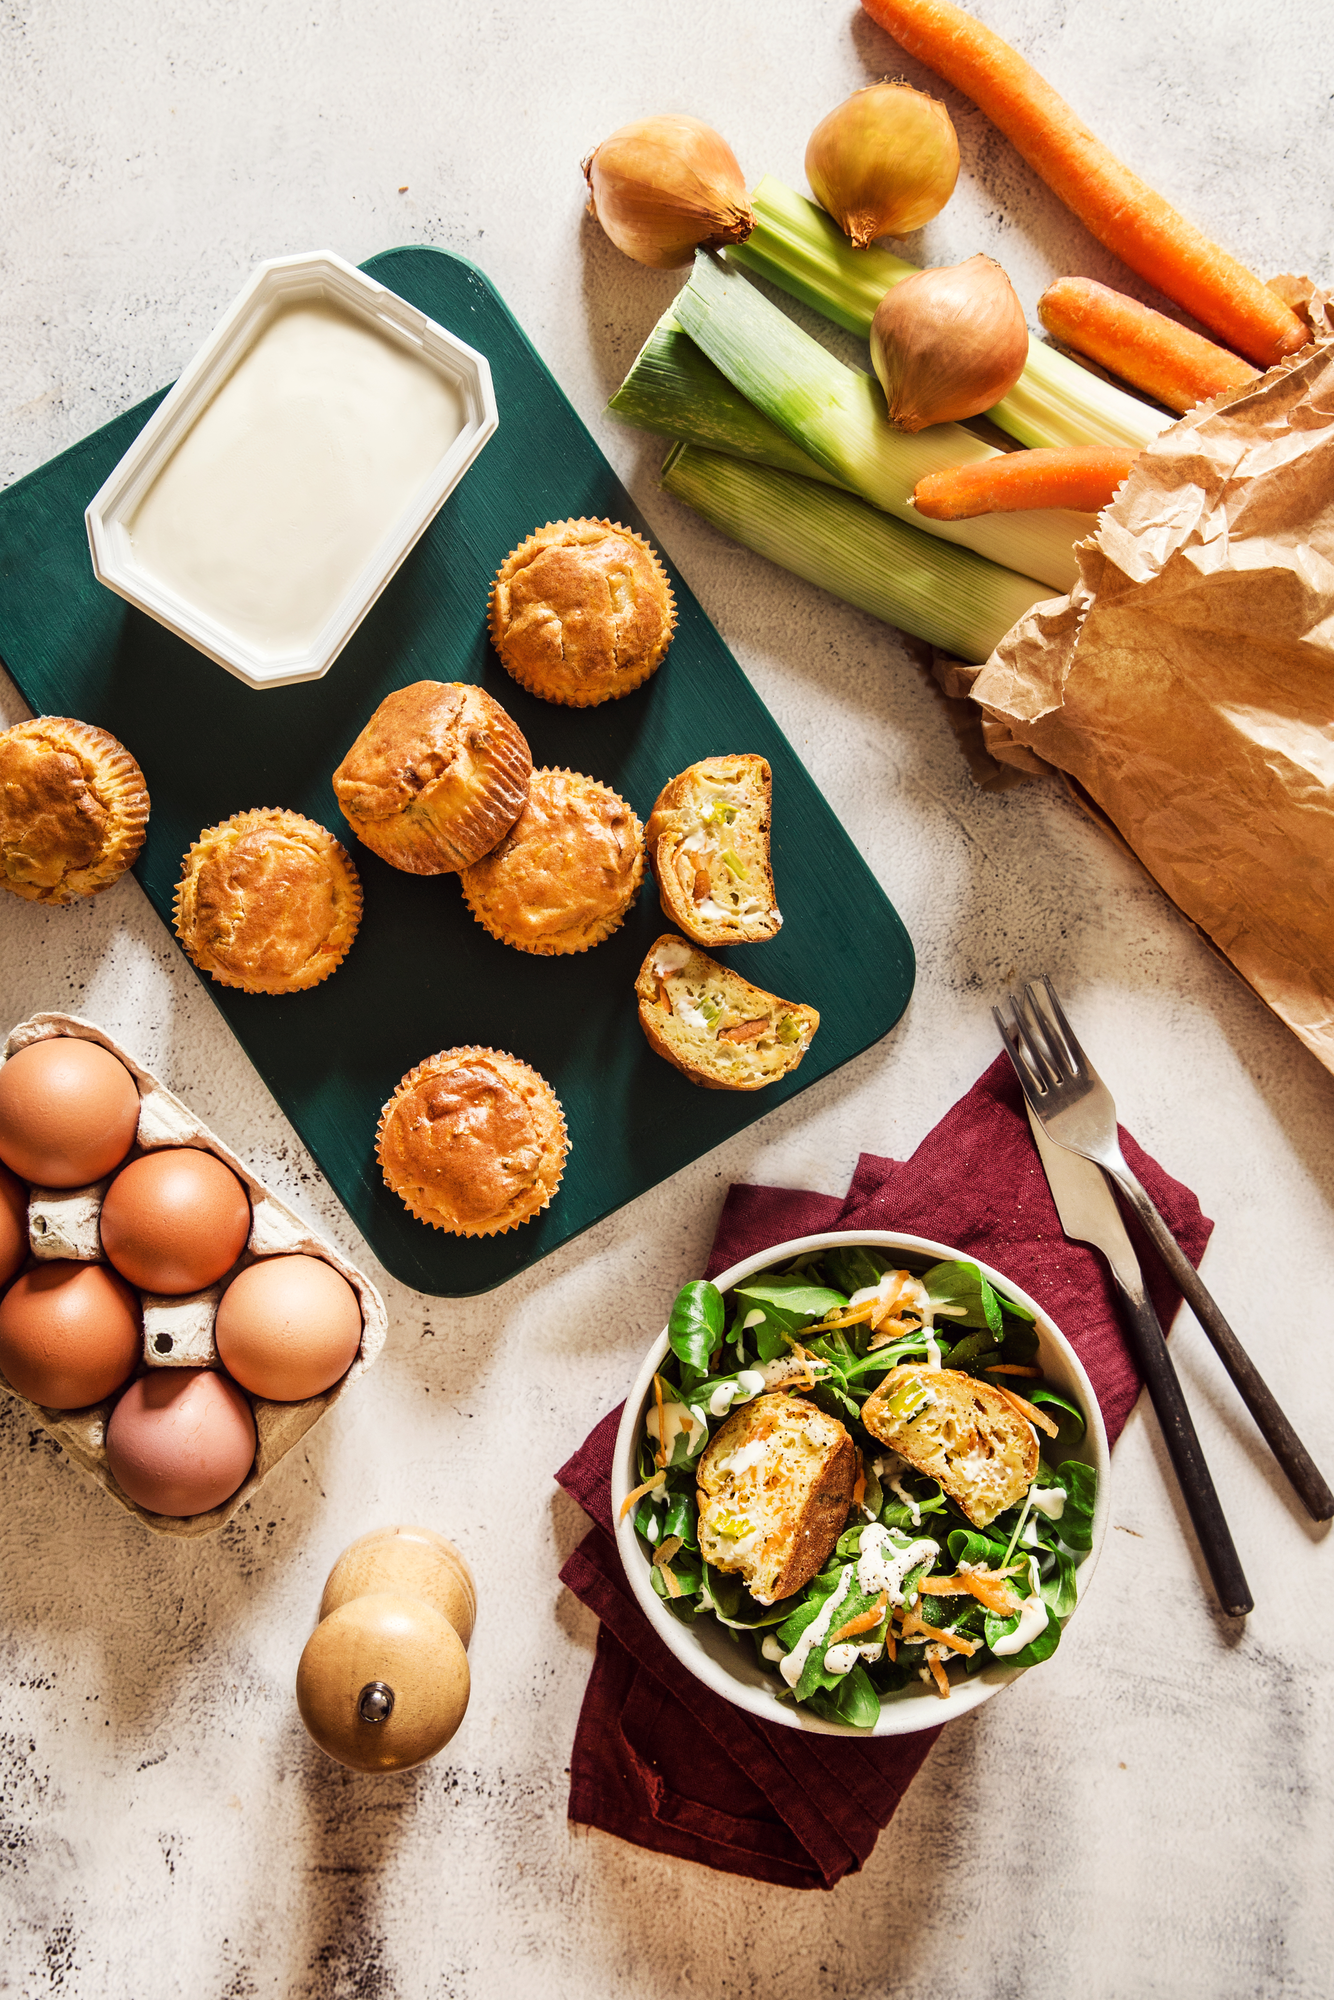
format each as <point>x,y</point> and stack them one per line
<point>435,778</point>
<point>473,1141</point>
<point>582,612</point>
<point>707,841</point>
<point>958,1430</point>
<point>724,1033</point>
<point>267,901</point>
<point>774,1488</point>
<point>73,809</point>
<point>567,871</point>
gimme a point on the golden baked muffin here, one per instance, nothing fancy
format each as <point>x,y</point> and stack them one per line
<point>774,1488</point>
<point>708,846</point>
<point>966,1434</point>
<point>267,901</point>
<point>473,1142</point>
<point>714,1025</point>
<point>582,612</point>
<point>73,809</point>
<point>567,871</point>
<point>435,778</point>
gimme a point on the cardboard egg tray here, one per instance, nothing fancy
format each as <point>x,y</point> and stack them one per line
<point>178,1332</point>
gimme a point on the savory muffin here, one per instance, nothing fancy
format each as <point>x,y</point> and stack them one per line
<point>567,871</point>
<point>267,901</point>
<point>708,846</point>
<point>775,1485</point>
<point>966,1434</point>
<point>435,778</point>
<point>73,809</point>
<point>714,1025</point>
<point>473,1142</point>
<point>582,612</point>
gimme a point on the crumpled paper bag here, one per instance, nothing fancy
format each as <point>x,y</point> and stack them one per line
<point>1187,683</point>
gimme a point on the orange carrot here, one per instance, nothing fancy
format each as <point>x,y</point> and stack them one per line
<point>866,1622</point>
<point>1145,231</point>
<point>1015,480</point>
<point>1143,347</point>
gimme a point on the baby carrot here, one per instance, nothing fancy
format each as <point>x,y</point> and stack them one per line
<point>1016,480</point>
<point>1145,231</point>
<point>1143,347</point>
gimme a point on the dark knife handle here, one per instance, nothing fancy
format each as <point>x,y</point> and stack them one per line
<point>1183,1447</point>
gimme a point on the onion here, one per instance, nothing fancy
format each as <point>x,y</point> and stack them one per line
<point>662,187</point>
<point>948,343</point>
<point>883,163</point>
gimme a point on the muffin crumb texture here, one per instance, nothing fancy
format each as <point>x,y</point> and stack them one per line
<point>567,871</point>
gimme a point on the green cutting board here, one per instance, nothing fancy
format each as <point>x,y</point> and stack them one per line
<point>422,975</point>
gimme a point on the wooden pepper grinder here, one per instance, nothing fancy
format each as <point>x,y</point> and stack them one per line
<point>383,1682</point>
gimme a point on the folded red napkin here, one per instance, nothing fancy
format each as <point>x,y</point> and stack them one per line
<point>661,1760</point>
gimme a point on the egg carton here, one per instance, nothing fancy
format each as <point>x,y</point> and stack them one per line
<point>178,1332</point>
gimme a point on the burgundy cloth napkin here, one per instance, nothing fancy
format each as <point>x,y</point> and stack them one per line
<point>659,1758</point>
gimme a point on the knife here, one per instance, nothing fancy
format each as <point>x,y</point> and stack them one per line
<point>1089,1214</point>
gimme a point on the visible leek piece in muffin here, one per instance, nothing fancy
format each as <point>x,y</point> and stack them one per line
<point>567,871</point>
<point>268,901</point>
<point>966,1434</point>
<point>73,809</point>
<point>714,1025</point>
<point>582,612</point>
<point>473,1141</point>
<point>708,846</point>
<point>437,776</point>
<point>775,1485</point>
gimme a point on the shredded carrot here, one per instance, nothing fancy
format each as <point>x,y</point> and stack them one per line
<point>1012,1368</point>
<point>866,1621</point>
<point>1143,229</point>
<point>744,1031</point>
<point>917,1628</point>
<point>658,1479</point>
<point>1014,481</point>
<point>939,1675</point>
<point>664,997</point>
<point>1027,1409</point>
<point>891,1647</point>
<point>859,1483</point>
<point>1143,347</point>
<point>987,1586</point>
<point>888,1332</point>
<point>661,1456</point>
<point>667,1551</point>
<point>669,1578</point>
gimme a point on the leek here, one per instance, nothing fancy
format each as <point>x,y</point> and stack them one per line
<point>838,415</point>
<point>948,596</point>
<point>799,248</point>
<point>675,390</point>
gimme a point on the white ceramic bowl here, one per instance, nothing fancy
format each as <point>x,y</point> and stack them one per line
<point>731,1670</point>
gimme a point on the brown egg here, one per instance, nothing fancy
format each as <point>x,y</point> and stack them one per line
<point>181,1440</point>
<point>174,1221</point>
<point>13,1225</point>
<point>69,1334</point>
<point>68,1112</point>
<point>288,1327</point>
<point>383,1682</point>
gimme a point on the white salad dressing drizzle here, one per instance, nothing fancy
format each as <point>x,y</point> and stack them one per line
<point>882,1565</point>
<point>1049,1500</point>
<point>748,1455</point>
<point>791,1666</point>
<point>772,1647</point>
<point>676,1417</point>
<point>1033,1618</point>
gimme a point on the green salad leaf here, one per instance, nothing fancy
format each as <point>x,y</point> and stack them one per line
<point>1041,1648</point>
<point>1075,1526</point>
<point>695,1329</point>
<point>854,1268</point>
<point>963,1288</point>
<point>1069,1417</point>
<point>787,1304</point>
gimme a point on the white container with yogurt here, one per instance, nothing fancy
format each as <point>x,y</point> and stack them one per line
<point>301,455</point>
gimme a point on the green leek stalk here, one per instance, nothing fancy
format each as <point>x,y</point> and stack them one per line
<point>799,248</point>
<point>838,415</point>
<point>948,596</point>
<point>676,391</point>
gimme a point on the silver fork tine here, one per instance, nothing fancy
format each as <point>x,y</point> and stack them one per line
<point>1074,1052</point>
<point>1040,1037</point>
<point>1025,1066</point>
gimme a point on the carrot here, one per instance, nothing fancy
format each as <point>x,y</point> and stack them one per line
<point>639,1492</point>
<point>1143,347</point>
<point>865,1622</point>
<point>1015,480</point>
<point>1027,1409</point>
<point>1145,231</point>
<point>939,1676</point>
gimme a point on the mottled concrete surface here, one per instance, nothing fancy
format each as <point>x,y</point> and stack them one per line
<point>1148,1815</point>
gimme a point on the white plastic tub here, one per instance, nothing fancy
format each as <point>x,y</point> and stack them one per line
<point>301,455</point>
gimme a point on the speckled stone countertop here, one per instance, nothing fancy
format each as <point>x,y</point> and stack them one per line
<point>1148,1815</point>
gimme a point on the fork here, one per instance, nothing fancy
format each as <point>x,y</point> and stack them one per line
<point>1075,1109</point>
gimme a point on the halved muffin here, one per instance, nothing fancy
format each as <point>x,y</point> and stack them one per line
<point>774,1486</point>
<point>473,1141</point>
<point>268,901</point>
<point>714,1025</point>
<point>437,776</point>
<point>964,1433</point>
<point>708,846</point>
<point>582,612</point>
<point>567,871</point>
<point>73,809</point>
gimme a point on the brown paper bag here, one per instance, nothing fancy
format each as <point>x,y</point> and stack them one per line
<point>1187,684</point>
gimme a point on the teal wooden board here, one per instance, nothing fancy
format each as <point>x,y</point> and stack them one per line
<point>422,975</point>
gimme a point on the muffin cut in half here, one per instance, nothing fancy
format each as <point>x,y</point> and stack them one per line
<point>73,809</point>
<point>473,1141</point>
<point>437,776</point>
<point>966,1434</point>
<point>708,845</point>
<point>774,1489</point>
<point>268,901</point>
<point>567,871</point>
<point>714,1025</point>
<point>581,612</point>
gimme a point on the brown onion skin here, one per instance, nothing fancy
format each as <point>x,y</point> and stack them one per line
<point>884,162</point>
<point>665,187</point>
<point>948,343</point>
